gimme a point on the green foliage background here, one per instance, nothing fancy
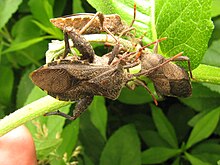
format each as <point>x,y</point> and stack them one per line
<point>130,130</point>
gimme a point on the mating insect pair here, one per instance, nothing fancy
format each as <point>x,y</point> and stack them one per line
<point>80,80</point>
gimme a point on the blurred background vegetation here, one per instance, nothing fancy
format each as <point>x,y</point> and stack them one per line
<point>130,130</point>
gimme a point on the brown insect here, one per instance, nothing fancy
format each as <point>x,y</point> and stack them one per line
<point>86,23</point>
<point>169,79</point>
<point>77,81</point>
<point>91,24</point>
<point>81,44</point>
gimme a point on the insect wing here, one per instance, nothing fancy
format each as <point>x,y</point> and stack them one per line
<point>109,83</point>
<point>77,22</point>
<point>78,69</point>
<point>52,80</point>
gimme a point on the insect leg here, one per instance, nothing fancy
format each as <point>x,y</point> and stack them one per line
<point>116,49</point>
<point>81,106</point>
<point>101,19</point>
<point>58,113</point>
<point>67,45</point>
<point>132,22</point>
<point>82,45</point>
<point>180,58</point>
<point>185,58</point>
<point>155,50</point>
<point>114,53</point>
<point>135,11</point>
<point>140,82</point>
<point>131,65</point>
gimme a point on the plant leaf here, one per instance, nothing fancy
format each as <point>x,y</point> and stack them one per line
<point>35,94</point>
<point>187,25</point>
<point>6,84</point>
<point>137,96</point>
<point>59,7</point>
<point>212,87</point>
<point>77,7</point>
<point>202,99</point>
<point>25,30</point>
<point>98,114</point>
<point>52,127</point>
<point>195,161</point>
<point>46,147</point>
<point>157,155</point>
<point>204,127</point>
<point>55,124</point>
<point>45,13</point>
<point>192,122</point>
<point>179,115</point>
<point>90,138</point>
<point>215,9</point>
<point>206,73</point>
<point>212,55</point>
<point>207,151</point>
<point>7,8</point>
<point>153,139</point>
<point>164,127</point>
<point>50,30</point>
<point>122,148</point>
<point>70,137</point>
<point>176,161</point>
<point>24,88</point>
<point>25,44</point>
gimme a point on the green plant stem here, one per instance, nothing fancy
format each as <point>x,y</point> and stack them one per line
<point>127,45</point>
<point>5,33</point>
<point>29,112</point>
<point>56,47</point>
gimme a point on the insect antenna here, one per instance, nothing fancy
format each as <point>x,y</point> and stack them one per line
<point>144,47</point>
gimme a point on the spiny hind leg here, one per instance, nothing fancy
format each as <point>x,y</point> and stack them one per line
<point>81,44</point>
<point>80,107</point>
<point>67,49</point>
